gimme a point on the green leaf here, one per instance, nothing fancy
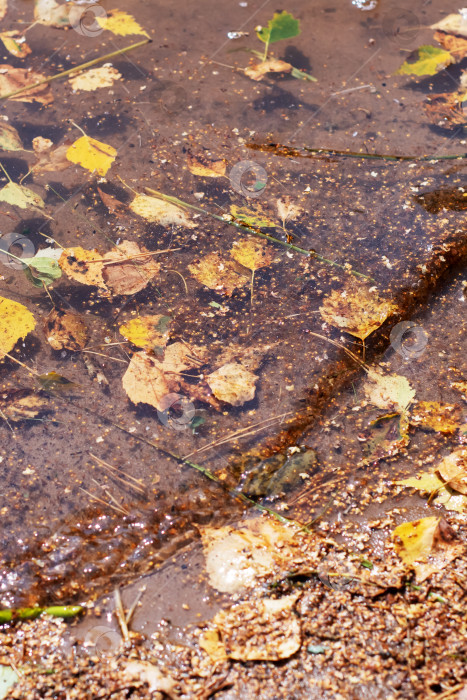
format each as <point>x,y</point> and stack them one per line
<point>282,26</point>
<point>8,678</point>
<point>9,138</point>
<point>430,61</point>
<point>55,382</point>
<point>43,269</point>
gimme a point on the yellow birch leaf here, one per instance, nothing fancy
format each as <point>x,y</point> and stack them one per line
<point>252,217</point>
<point>121,23</point>
<point>431,60</point>
<point>144,381</point>
<point>82,265</point>
<point>91,154</point>
<point>252,253</point>
<point>216,273</point>
<point>427,545</point>
<point>103,76</point>
<point>21,197</point>
<point>147,331</point>
<point>202,167</point>
<point>233,384</point>
<point>16,321</point>
<point>442,417</point>
<point>160,212</point>
<point>355,309</point>
<point>391,392</point>
<point>15,44</point>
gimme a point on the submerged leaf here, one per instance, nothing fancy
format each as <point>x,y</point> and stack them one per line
<point>217,274</point>
<point>356,309</point>
<point>84,266</point>
<point>16,321</point>
<point>442,417</point>
<point>15,43</point>
<point>44,269</point>
<point>9,138</point>
<point>54,382</point>
<point>454,23</point>
<point>52,14</point>
<point>202,167</point>
<point>20,196</point>
<point>388,391</point>
<point>22,404</point>
<point>453,469</point>
<point>160,212</point>
<point>126,270</point>
<point>147,332</point>
<point>65,330</point>
<point>233,384</point>
<point>101,77</point>
<point>50,159</point>
<point>431,60</point>
<point>252,253</point>
<point>91,154</point>
<point>12,79</point>
<point>145,382</point>
<point>438,491</point>
<point>251,217</point>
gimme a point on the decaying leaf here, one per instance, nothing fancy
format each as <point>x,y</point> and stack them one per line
<point>437,490</point>
<point>430,60</point>
<point>217,274</point>
<point>442,417</point>
<point>427,545</point>
<point>9,138</point>
<point>147,332</point>
<point>22,404</point>
<point>65,330</point>
<point>453,469</point>
<point>202,167</point>
<point>356,309</point>
<point>455,23</point>
<point>126,270</point>
<point>255,218</point>
<point>389,435</point>
<point>92,155</point>
<point>15,43</point>
<point>3,8</point>
<point>287,209</point>
<point>179,357</point>
<point>456,45</point>
<point>260,630</point>
<point>210,640</point>
<point>144,672</point>
<point>50,159</point>
<point>388,391</point>
<point>257,71</point>
<point>145,382</point>
<point>252,253</point>
<point>21,197</point>
<point>51,13</point>
<point>447,108</point>
<point>16,321</point>
<point>160,212</point>
<point>84,266</point>
<point>233,384</point>
<point>12,79</point>
<point>114,205</point>
<point>239,557</point>
<point>121,24</point>
<point>101,77</point>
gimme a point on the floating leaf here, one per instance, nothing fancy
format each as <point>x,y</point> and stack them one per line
<point>20,196</point>
<point>202,167</point>
<point>442,417</point>
<point>101,77</point>
<point>16,321</point>
<point>356,309</point>
<point>217,274</point>
<point>427,545</point>
<point>453,469</point>
<point>9,138</point>
<point>251,217</point>
<point>431,60</point>
<point>12,79</point>
<point>91,154</point>
<point>260,630</point>
<point>287,209</point>
<point>121,23</point>
<point>283,25</point>
<point>252,253</point>
<point>233,384</point>
<point>147,332</point>
<point>160,212</point>
<point>388,391</point>
<point>65,331</point>
<point>15,43</point>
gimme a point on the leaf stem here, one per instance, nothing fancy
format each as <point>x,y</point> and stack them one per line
<point>303,151</point>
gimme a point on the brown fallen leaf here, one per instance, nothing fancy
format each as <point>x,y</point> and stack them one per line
<point>114,205</point>
<point>260,630</point>
<point>447,108</point>
<point>453,469</point>
<point>257,71</point>
<point>12,79</point>
<point>144,672</point>
<point>65,330</point>
<point>456,45</point>
<point>203,167</point>
<point>50,159</point>
<point>442,417</point>
<point>126,271</point>
<point>233,384</point>
<point>388,391</point>
<point>356,308</point>
<point>179,357</point>
<point>427,545</point>
<point>160,212</point>
<point>22,404</point>
<point>144,381</point>
<point>218,274</point>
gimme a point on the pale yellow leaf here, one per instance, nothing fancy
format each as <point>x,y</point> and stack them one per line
<point>453,469</point>
<point>15,43</point>
<point>12,79</point>
<point>147,331</point>
<point>21,197</point>
<point>455,23</point>
<point>82,265</point>
<point>442,417</point>
<point>101,77</point>
<point>160,212</point>
<point>389,391</point>
<point>144,381</point>
<point>233,384</point>
<point>356,309</point>
<point>202,167</point>
<point>257,71</point>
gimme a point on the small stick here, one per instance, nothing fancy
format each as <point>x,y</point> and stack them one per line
<point>64,73</point>
<point>131,611</point>
<point>120,615</point>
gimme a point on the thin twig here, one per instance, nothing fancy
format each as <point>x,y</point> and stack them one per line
<point>120,615</point>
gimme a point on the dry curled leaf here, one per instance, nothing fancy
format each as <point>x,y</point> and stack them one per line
<point>356,309</point>
<point>233,384</point>
<point>252,253</point>
<point>16,321</point>
<point>388,391</point>
<point>257,71</point>
<point>260,630</point>
<point>65,330</point>
<point>442,417</point>
<point>12,79</point>
<point>453,469</point>
<point>203,167</point>
<point>217,274</point>
<point>427,545</point>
